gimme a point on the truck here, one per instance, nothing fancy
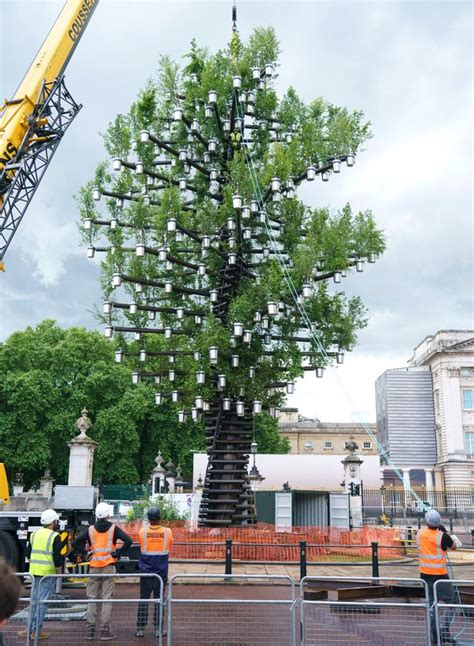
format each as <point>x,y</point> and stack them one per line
<point>75,506</point>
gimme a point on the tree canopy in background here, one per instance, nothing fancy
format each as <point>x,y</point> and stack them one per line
<point>49,374</point>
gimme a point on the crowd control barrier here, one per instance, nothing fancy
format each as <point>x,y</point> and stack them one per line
<point>361,610</point>
<point>20,621</point>
<point>453,611</point>
<point>227,612</point>
<point>66,613</point>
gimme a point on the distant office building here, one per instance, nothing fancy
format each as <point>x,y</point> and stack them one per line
<point>406,425</point>
<point>310,436</point>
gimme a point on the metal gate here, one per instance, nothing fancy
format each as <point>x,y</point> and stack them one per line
<point>283,511</point>
<point>339,510</point>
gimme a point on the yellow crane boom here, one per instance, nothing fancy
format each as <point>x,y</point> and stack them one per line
<point>34,120</point>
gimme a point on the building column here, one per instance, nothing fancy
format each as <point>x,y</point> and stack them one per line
<point>429,479</point>
<point>406,487</point>
<point>429,485</point>
<point>406,479</point>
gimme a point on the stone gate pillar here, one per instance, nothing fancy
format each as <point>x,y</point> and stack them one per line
<point>81,456</point>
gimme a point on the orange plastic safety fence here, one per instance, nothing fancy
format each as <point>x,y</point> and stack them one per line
<point>263,543</point>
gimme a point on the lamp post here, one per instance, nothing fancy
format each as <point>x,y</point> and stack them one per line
<point>255,476</point>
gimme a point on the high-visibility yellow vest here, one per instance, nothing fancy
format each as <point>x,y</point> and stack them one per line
<point>432,557</point>
<point>41,558</point>
<point>155,540</point>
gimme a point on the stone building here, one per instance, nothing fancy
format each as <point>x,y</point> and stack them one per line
<point>449,354</point>
<point>310,436</point>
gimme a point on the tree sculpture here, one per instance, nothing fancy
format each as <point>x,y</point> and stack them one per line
<point>213,263</point>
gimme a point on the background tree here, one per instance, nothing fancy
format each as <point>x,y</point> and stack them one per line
<point>214,268</point>
<point>49,374</point>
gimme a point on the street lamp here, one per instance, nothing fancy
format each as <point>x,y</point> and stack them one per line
<point>382,494</point>
<point>255,476</point>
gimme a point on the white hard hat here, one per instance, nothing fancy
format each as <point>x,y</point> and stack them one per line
<point>48,517</point>
<point>102,510</point>
<point>432,518</point>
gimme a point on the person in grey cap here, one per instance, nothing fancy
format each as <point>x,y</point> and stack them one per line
<point>433,542</point>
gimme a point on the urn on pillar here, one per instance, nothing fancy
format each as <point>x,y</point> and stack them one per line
<point>81,456</point>
<point>353,482</point>
<point>170,477</point>
<point>46,484</point>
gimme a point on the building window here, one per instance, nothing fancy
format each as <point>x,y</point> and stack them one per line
<point>308,446</point>
<point>328,445</point>
<point>469,443</point>
<point>467,372</point>
<point>467,400</point>
<point>367,445</point>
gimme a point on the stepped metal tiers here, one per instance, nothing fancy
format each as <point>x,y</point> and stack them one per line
<point>196,240</point>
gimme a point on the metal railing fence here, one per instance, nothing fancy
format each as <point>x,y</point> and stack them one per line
<point>453,620</point>
<point>17,628</point>
<point>218,609</point>
<point>231,618</point>
<point>330,620</point>
<point>67,616</point>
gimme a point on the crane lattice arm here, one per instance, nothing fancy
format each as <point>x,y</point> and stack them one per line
<point>33,122</point>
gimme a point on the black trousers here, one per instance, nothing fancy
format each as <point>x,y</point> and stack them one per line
<point>149,585</point>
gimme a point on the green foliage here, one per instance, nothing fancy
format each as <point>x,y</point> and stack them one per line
<point>288,137</point>
<point>168,508</point>
<point>48,376</point>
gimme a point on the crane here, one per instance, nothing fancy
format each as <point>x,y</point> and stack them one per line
<point>33,122</point>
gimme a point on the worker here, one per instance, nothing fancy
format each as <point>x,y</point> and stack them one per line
<point>433,542</point>
<point>44,555</point>
<point>155,543</point>
<point>99,544</point>
<point>10,589</point>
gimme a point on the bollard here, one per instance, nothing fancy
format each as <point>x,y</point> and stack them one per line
<point>375,559</point>
<point>391,521</point>
<point>228,557</point>
<point>303,564</point>
<point>419,522</point>
<point>409,534</point>
<point>451,524</point>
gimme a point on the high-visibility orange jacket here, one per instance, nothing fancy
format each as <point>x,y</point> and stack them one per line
<point>155,544</point>
<point>102,545</point>
<point>432,559</point>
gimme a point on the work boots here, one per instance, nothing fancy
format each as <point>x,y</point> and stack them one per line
<point>106,633</point>
<point>90,632</point>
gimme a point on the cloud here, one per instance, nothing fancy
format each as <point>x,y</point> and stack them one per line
<point>48,241</point>
<point>344,390</point>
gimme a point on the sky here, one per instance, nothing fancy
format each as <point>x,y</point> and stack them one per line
<point>407,65</point>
